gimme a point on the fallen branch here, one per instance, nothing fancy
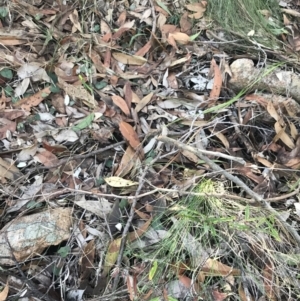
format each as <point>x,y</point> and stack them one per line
<point>263,203</point>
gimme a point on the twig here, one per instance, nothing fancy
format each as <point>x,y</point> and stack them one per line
<point>243,138</point>
<point>115,196</point>
<point>129,221</point>
<point>99,150</point>
<point>154,17</point>
<point>237,181</point>
<point>218,154</point>
<point>284,196</point>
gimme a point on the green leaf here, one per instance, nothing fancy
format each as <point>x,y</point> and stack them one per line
<point>38,16</point>
<point>96,28</point>
<point>163,6</point>
<point>64,251</point>
<point>194,36</point>
<point>123,204</point>
<point>84,123</point>
<point>153,270</point>
<point>53,77</point>
<point>100,85</point>
<point>44,94</point>
<point>56,270</point>
<point>54,89</point>
<point>172,299</point>
<point>247,213</point>
<point>109,163</point>
<point>100,181</point>
<point>33,204</point>
<point>7,73</point>
<point>3,12</point>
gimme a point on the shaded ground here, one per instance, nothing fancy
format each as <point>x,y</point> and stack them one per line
<point>149,150</point>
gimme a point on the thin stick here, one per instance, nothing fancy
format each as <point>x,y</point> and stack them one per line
<point>97,151</point>
<point>236,180</point>
<point>129,221</point>
<point>154,17</point>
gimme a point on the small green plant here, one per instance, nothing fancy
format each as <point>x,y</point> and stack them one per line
<point>203,227</point>
<point>64,251</point>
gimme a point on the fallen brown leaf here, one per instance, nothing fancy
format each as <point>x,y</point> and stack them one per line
<point>6,125</point>
<point>47,158</point>
<point>121,103</point>
<point>4,293</point>
<point>31,101</point>
<point>129,134</point>
<point>216,90</point>
<point>129,59</point>
<point>126,163</point>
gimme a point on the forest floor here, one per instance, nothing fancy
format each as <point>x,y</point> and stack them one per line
<point>149,150</point>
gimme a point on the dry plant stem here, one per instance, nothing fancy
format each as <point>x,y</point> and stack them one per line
<point>235,123</point>
<point>115,196</point>
<point>153,16</point>
<point>217,154</point>
<point>100,150</point>
<point>129,221</point>
<point>45,197</point>
<point>284,196</point>
<point>263,203</point>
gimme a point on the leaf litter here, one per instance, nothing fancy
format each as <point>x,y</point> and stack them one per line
<point>89,99</point>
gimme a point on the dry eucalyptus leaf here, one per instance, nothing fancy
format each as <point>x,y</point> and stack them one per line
<point>34,71</point>
<point>221,136</point>
<point>216,89</point>
<point>74,19</point>
<point>4,293</point>
<point>272,111</point>
<point>127,162</point>
<point>66,135</point>
<point>6,125</point>
<point>9,171</point>
<point>192,157</point>
<point>143,102</point>
<point>101,207</point>
<point>129,59</point>
<point>119,182</point>
<point>129,134</point>
<point>180,37</point>
<point>46,158</point>
<point>121,103</point>
<point>198,8</point>
<point>283,136</point>
<point>32,101</point>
